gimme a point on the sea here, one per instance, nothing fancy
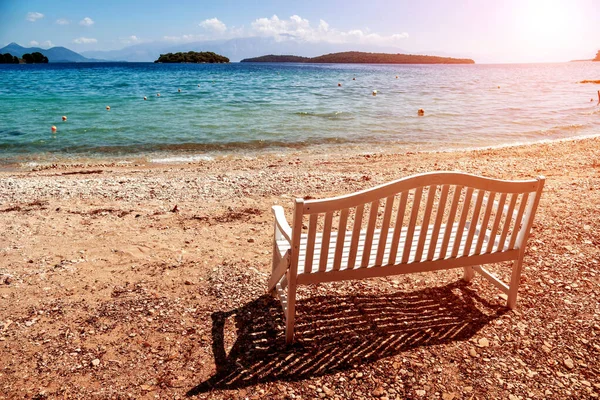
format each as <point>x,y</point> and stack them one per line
<point>245,109</point>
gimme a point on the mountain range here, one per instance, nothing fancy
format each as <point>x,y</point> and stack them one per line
<point>56,54</point>
<point>234,49</point>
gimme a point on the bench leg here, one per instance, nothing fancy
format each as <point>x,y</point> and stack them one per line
<point>290,316</point>
<point>515,280</point>
<point>469,273</point>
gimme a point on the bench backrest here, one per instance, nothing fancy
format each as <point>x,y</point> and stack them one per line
<point>425,217</point>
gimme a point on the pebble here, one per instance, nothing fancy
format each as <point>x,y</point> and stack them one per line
<point>378,392</point>
<point>483,342</point>
<point>328,391</point>
<point>420,392</point>
<point>472,352</point>
<point>95,362</point>
<point>569,363</point>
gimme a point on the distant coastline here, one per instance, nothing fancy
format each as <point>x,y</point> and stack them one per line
<point>357,57</point>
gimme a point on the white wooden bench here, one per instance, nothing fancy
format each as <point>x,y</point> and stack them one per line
<point>426,222</point>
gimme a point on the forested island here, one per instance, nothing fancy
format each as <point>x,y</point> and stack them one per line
<point>192,57</point>
<point>33,58</point>
<point>357,57</point>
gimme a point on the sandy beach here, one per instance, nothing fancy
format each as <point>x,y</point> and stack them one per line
<point>148,281</point>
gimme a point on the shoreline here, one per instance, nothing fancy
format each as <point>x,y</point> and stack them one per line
<point>129,279</point>
<point>322,150</point>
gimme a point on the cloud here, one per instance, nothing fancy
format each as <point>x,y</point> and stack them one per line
<point>62,21</point>
<point>298,28</point>
<point>34,16</point>
<point>213,25</point>
<point>87,21</point>
<point>183,38</point>
<point>294,28</point>
<point>131,39</point>
<point>48,44</point>
<point>34,43</point>
<point>84,40</point>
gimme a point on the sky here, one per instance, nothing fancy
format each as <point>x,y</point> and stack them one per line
<point>488,31</point>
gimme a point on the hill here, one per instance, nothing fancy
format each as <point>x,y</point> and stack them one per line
<point>597,56</point>
<point>357,57</point>
<point>55,54</point>
<point>192,57</point>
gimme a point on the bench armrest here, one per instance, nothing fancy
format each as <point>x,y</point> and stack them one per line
<point>281,224</point>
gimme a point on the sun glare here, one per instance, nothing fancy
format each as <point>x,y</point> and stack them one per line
<point>545,23</point>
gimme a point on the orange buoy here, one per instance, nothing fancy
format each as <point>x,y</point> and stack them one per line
<point>374,92</point>
<point>339,84</point>
<point>396,76</point>
<point>53,128</point>
<point>421,112</point>
<point>353,79</point>
<point>144,97</point>
<point>108,108</point>
<point>64,118</point>
<point>157,94</point>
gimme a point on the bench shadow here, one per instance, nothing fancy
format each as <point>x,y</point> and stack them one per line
<point>336,333</point>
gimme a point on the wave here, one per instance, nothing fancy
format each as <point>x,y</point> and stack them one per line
<point>339,115</point>
<point>189,147</point>
<point>561,128</point>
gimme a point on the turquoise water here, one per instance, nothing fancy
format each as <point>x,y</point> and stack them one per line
<point>248,108</point>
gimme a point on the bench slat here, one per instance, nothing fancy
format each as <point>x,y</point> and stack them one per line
<point>355,235</point>
<point>497,219</point>
<point>312,232</point>
<point>518,221</point>
<point>339,248</point>
<point>507,221</point>
<point>451,217</point>
<point>485,221</point>
<point>411,224</point>
<point>387,216</point>
<point>398,228</point>
<point>439,216</point>
<point>463,220</point>
<point>426,217</point>
<point>370,230</point>
<point>474,219</point>
<point>325,241</point>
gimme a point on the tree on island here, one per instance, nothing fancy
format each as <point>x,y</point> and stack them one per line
<point>35,58</point>
<point>8,58</point>
<point>597,56</point>
<point>192,57</point>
